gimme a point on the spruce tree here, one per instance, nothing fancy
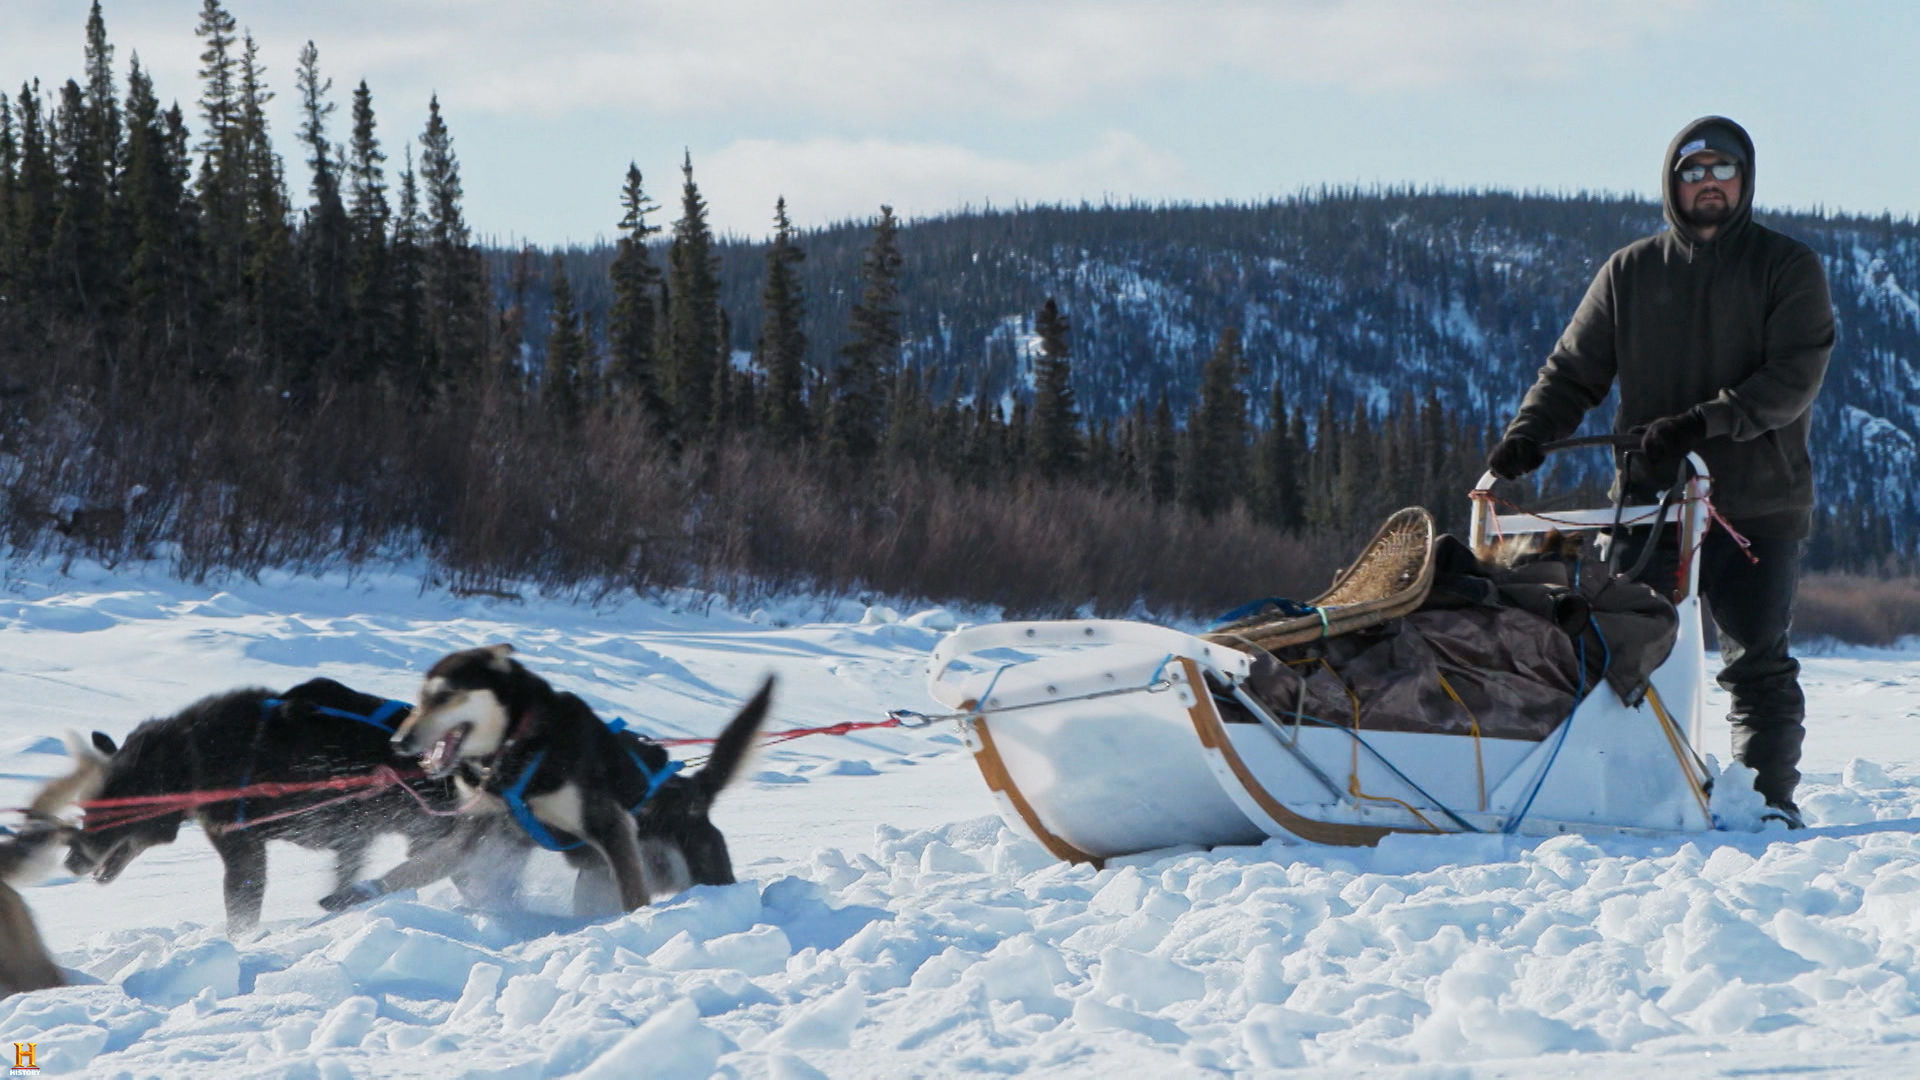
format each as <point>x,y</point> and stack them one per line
<point>452,282</point>
<point>1055,443</point>
<point>633,321</point>
<point>327,243</point>
<point>9,187</point>
<point>80,266</point>
<point>103,121</point>
<point>163,267</point>
<point>783,343</point>
<point>370,291</point>
<point>693,313</point>
<point>872,353</point>
<point>569,359</point>
<point>1163,454</point>
<point>411,373</point>
<point>103,107</point>
<point>272,292</point>
<point>221,185</point>
<point>1218,466</point>
<point>1276,481</point>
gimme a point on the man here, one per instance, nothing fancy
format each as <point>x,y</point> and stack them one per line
<point>1718,332</point>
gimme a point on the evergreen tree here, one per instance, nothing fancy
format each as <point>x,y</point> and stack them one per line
<point>163,267</point>
<point>80,265</point>
<point>453,285</point>
<point>693,313</point>
<point>272,293</point>
<point>370,288</point>
<point>632,324</point>
<point>327,241</point>
<point>103,122</point>
<point>1277,469</point>
<point>1163,454</point>
<point>565,388</point>
<point>411,373</point>
<point>867,361</point>
<point>1055,441</point>
<point>9,193</point>
<point>103,107</point>
<point>1217,466</point>
<point>37,191</point>
<point>783,344</point>
<point>909,419</point>
<point>221,182</point>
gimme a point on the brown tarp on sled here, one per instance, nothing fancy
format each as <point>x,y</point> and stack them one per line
<point>1508,642</point>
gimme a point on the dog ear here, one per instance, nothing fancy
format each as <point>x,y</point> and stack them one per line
<point>104,743</point>
<point>500,654</point>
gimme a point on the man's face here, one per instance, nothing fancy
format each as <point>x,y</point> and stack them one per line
<point>1708,201</point>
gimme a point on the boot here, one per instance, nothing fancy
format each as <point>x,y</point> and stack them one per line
<point>1773,753</point>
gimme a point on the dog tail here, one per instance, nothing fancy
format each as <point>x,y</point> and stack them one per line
<point>82,783</point>
<point>735,744</point>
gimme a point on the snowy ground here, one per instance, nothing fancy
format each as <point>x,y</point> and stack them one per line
<point>887,925</point>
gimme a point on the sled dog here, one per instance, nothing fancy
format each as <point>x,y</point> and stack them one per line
<point>27,854</point>
<point>316,731</point>
<point>520,748</point>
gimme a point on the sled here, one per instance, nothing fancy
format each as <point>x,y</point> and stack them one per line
<point>1103,738</point>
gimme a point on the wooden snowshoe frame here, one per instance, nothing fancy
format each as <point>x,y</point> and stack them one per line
<point>1390,578</point>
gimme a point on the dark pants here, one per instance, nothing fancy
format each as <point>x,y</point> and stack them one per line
<point>1751,603</point>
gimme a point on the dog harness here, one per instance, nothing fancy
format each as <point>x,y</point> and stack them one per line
<point>382,718</point>
<point>515,794</point>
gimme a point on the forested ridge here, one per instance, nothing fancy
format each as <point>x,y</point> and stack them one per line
<point>214,356</point>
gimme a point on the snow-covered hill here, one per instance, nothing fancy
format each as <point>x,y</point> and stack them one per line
<point>888,925</point>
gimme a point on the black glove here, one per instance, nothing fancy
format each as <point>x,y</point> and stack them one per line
<point>1515,457</point>
<point>1671,438</point>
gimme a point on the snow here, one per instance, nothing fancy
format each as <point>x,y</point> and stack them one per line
<point>887,924</point>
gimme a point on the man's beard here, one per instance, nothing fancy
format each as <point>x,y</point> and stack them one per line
<point>1711,213</point>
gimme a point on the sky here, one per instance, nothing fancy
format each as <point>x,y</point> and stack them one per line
<point>932,107</point>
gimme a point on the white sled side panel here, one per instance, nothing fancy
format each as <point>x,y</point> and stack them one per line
<point>1102,765</point>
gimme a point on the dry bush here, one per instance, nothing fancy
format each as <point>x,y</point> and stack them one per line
<point>1856,609</point>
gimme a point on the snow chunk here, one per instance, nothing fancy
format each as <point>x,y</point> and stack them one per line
<point>671,1045</point>
<point>1150,983</point>
<point>827,1023</point>
<point>346,1024</point>
<point>174,978</point>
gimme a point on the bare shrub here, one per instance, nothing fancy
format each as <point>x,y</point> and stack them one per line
<point>1856,609</point>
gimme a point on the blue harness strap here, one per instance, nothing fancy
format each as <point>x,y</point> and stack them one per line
<point>381,718</point>
<point>515,795</point>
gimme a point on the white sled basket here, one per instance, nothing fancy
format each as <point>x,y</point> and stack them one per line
<point>1103,738</point>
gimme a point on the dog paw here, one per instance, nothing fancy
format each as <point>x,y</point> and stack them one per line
<point>357,893</point>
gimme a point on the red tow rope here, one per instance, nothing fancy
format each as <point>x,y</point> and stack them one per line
<point>127,809</point>
<point>898,719</point>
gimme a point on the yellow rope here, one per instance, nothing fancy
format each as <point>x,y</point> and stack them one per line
<point>1353,766</point>
<point>1473,725</point>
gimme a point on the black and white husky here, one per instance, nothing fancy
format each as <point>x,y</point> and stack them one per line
<point>319,730</point>
<point>28,854</point>
<point>518,747</point>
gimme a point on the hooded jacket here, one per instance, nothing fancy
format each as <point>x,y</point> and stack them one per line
<point>1740,325</point>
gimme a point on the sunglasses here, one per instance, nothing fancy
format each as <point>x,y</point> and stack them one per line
<point>1726,170</point>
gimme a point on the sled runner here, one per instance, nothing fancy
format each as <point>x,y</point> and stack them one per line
<point>1424,691</point>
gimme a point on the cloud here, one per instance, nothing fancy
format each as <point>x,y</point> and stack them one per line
<point>861,60</point>
<point>830,180</point>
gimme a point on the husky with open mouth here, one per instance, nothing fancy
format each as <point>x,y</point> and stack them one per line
<point>517,746</point>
